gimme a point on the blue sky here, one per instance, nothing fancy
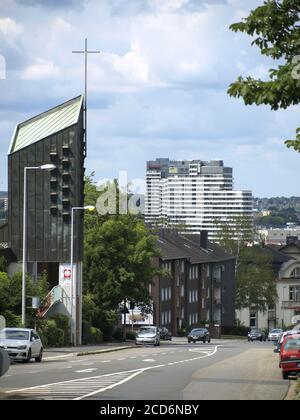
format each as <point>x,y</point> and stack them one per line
<point>158,89</point>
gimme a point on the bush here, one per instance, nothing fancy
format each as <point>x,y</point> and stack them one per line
<point>91,335</point>
<point>130,335</point>
<point>118,334</point>
<point>182,332</point>
<point>62,322</point>
<point>50,334</point>
<point>12,320</point>
<point>240,331</point>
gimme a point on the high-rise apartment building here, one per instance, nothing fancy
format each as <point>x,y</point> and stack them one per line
<point>194,195</point>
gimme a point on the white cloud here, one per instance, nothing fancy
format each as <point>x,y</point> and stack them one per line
<point>158,88</point>
<point>132,65</point>
<point>167,5</point>
<point>41,70</point>
<point>10,28</point>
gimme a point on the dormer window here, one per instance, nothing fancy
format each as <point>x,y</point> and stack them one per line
<point>295,273</point>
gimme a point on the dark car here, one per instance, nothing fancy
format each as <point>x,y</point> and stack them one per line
<point>199,334</point>
<point>256,335</point>
<point>165,334</point>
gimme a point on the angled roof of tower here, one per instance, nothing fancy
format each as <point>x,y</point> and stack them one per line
<point>46,124</point>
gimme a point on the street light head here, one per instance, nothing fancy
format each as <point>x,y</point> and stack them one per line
<point>90,208</point>
<point>48,167</point>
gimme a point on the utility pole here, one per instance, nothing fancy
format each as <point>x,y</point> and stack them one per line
<point>86,52</point>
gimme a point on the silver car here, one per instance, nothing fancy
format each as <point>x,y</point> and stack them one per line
<point>148,335</point>
<point>21,344</point>
<point>275,335</point>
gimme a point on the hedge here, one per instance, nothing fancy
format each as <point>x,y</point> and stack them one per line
<point>90,334</point>
<point>240,331</point>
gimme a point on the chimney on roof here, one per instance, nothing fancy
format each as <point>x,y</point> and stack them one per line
<point>204,239</point>
<point>291,240</point>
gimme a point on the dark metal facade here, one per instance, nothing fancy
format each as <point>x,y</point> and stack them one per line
<point>51,196</point>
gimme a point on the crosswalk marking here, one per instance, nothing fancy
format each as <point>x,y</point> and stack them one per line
<point>78,389</point>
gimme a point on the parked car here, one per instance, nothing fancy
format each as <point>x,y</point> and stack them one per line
<point>290,356</point>
<point>165,334</point>
<point>199,334</point>
<point>148,335</point>
<point>256,335</point>
<point>21,344</point>
<point>275,335</point>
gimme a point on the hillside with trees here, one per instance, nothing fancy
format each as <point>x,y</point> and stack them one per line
<point>283,210</point>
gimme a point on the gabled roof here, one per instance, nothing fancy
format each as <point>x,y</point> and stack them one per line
<point>295,243</point>
<point>46,124</point>
<point>278,256</point>
<point>174,246</point>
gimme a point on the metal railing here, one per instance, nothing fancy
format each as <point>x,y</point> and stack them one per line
<point>57,294</point>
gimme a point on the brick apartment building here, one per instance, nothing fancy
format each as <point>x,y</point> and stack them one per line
<point>198,283</point>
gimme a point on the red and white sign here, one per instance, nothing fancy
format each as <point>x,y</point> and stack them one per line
<point>67,274</point>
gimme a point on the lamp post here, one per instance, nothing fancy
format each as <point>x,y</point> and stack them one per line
<point>73,291</point>
<point>48,167</point>
<point>283,308</point>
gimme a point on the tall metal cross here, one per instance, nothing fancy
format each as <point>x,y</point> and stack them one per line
<point>85,52</point>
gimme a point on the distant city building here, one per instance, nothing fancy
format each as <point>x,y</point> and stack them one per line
<point>198,286</point>
<point>194,195</point>
<point>278,236</point>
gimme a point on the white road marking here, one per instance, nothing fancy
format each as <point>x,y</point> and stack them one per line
<point>73,389</point>
<point>92,386</point>
<point>59,357</point>
<point>86,370</point>
<point>149,360</point>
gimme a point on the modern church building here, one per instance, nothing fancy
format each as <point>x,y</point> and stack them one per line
<point>194,195</point>
<point>54,137</point>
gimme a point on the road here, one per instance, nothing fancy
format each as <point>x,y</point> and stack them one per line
<point>222,370</point>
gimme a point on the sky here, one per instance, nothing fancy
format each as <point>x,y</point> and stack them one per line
<point>158,88</point>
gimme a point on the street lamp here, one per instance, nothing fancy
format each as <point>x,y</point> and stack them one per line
<point>73,291</point>
<point>47,167</point>
<point>283,308</point>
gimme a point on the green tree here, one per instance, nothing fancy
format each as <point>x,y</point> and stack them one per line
<point>118,258</point>
<point>3,265</point>
<point>276,31</point>
<point>235,235</point>
<point>255,279</point>
<point>11,295</point>
<point>256,283</point>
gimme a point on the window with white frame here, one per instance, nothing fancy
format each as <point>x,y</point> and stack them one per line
<point>253,320</point>
<point>295,273</point>
<point>182,291</point>
<point>295,293</point>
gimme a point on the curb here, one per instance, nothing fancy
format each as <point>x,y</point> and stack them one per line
<point>292,393</point>
<point>88,353</point>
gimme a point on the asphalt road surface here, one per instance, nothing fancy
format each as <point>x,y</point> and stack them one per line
<point>222,370</point>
